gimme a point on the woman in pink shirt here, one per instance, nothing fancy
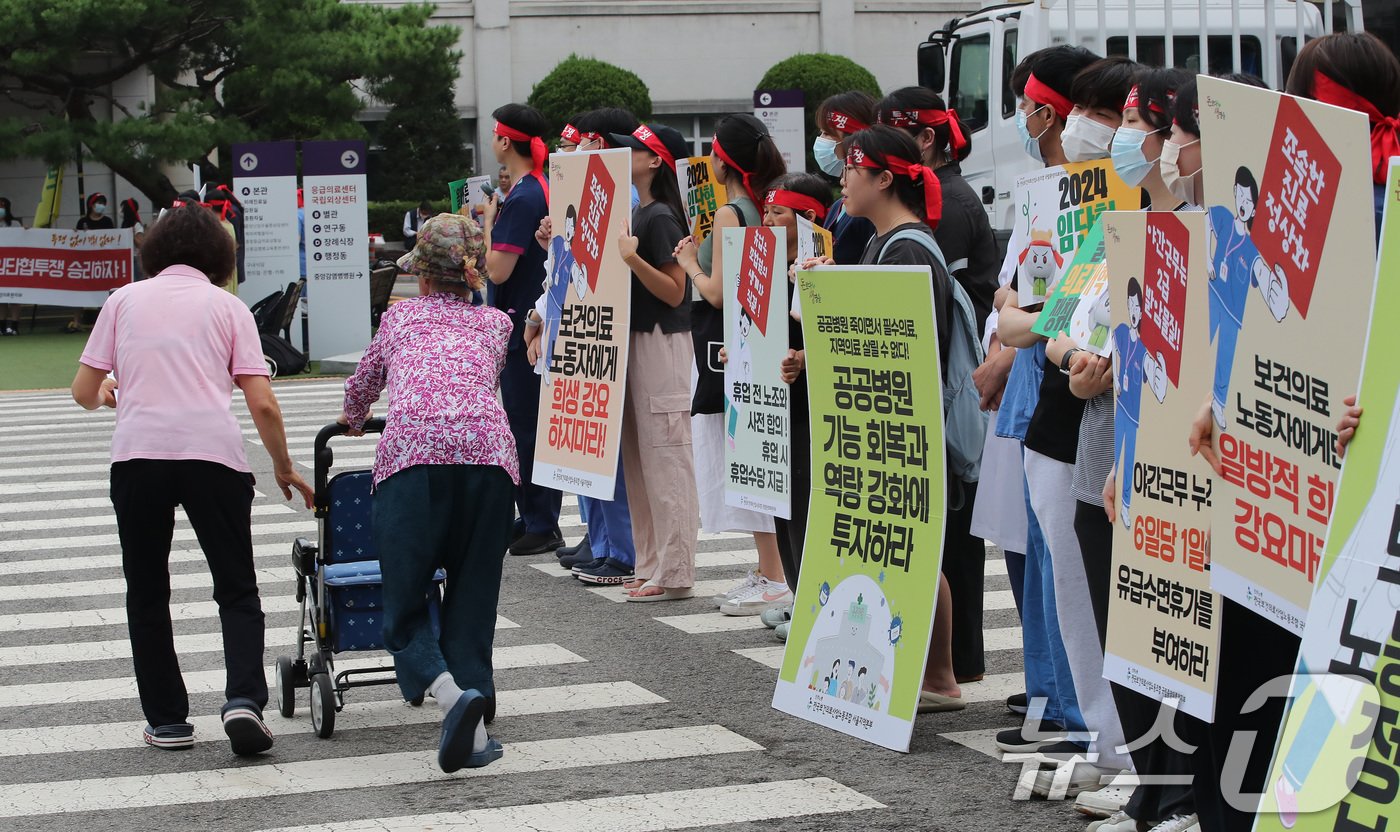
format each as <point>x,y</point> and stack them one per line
<point>444,480</point>
<point>178,344</point>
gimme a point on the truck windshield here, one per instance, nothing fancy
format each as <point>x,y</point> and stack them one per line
<point>969,80</point>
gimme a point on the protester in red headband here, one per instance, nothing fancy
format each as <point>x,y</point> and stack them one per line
<point>745,159</point>
<point>886,183</point>
<point>657,459</point>
<point>1356,71</point>
<point>836,116</point>
<point>1043,82</point>
<point>515,266</point>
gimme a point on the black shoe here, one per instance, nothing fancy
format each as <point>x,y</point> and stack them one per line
<point>606,573</point>
<point>247,733</point>
<point>1064,751</point>
<point>1030,738</point>
<point>1018,703</point>
<point>571,556</point>
<point>536,544</point>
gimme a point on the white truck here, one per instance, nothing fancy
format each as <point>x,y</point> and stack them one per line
<point>970,60</point>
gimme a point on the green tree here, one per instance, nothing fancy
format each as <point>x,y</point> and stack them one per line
<point>819,76</point>
<point>580,84</point>
<point>225,71</point>
<point>423,150</point>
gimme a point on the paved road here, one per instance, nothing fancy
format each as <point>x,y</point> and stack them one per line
<point>615,716</point>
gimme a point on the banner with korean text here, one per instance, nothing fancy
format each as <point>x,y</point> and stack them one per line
<point>1056,208</point>
<point>1078,303</point>
<point>863,613</point>
<point>758,451</point>
<point>265,180</point>
<point>63,268</point>
<point>1162,613</point>
<point>1291,256</point>
<point>587,320</point>
<point>702,192</point>
<point>337,246</point>
<point>1337,765</point>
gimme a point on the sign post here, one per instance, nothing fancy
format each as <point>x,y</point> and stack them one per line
<point>265,180</point>
<point>781,111</point>
<point>337,247</point>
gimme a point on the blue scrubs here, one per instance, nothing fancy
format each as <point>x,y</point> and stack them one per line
<point>1128,405</point>
<point>1234,263</point>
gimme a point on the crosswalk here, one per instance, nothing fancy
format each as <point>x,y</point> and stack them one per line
<point>70,750</point>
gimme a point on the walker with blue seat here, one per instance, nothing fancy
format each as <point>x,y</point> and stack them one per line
<point>340,590</point>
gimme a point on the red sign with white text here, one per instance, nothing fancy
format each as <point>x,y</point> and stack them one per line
<point>1164,289</point>
<point>756,275</point>
<point>593,210</point>
<point>1295,202</point>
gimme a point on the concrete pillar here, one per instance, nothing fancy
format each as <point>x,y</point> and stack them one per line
<point>838,27</point>
<point>492,72</point>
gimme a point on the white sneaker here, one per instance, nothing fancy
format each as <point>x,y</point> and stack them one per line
<point>1108,800</point>
<point>1059,782</point>
<point>1116,822</point>
<point>1178,823</point>
<point>755,600</point>
<point>750,580</point>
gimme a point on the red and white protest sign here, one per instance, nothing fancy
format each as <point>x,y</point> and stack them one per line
<point>590,240</point>
<point>1164,289</point>
<point>756,275</point>
<point>1295,201</point>
<point>63,268</point>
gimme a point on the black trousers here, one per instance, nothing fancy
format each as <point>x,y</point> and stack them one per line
<point>1169,791</point>
<point>1253,651</point>
<point>218,501</point>
<point>792,534</point>
<point>520,393</point>
<point>965,567</point>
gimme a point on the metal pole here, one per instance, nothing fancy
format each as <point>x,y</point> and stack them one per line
<point>1103,28</point>
<point>1271,50</point>
<point>1073,28</point>
<point>1132,32</point>
<point>1327,17</point>
<point>1169,56</point>
<point>1203,62</point>
<point>1235,57</point>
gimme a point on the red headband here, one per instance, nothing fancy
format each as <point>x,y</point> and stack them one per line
<point>1385,130</point>
<point>1134,101</point>
<point>797,202</point>
<point>842,123</point>
<point>1044,95</point>
<point>933,190</point>
<point>538,152</point>
<point>655,145</point>
<point>930,118</point>
<point>571,135</point>
<point>729,161</point>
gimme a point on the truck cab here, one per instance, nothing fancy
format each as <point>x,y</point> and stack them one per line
<point>970,60</point>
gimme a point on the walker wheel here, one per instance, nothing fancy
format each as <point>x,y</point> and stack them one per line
<point>286,687</point>
<point>322,705</point>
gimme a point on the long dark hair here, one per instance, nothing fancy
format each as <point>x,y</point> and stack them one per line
<point>746,140</point>
<point>666,189</point>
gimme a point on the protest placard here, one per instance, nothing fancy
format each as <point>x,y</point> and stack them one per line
<point>863,612</point>
<point>63,268</point>
<point>1290,227</point>
<point>1345,696</point>
<point>1055,210</point>
<point>757,451</point>
<point>588,313</point>
<point>1078,303</point>
<point>812,241</point>
<point>1162,613</point>
<point>702,192</point>
<point>470,191</point>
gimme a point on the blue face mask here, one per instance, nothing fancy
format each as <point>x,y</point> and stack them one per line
<point>636,198</point>
<point>825,151</point>
<point>1128,159</point>
<point>1029,142</point>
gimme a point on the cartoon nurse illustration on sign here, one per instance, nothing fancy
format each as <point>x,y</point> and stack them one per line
<point>1135,366</point>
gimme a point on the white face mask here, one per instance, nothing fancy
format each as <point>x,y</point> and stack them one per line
<point>100,208</point>
<point>1184,188</point>
<point>1086,139</point>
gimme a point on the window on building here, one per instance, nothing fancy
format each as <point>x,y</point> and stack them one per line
<point>698,129</point>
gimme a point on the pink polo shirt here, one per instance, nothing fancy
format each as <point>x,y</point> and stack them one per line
<point>175,343</point>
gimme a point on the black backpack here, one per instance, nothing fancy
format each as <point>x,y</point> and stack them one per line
<point>282,358</point>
